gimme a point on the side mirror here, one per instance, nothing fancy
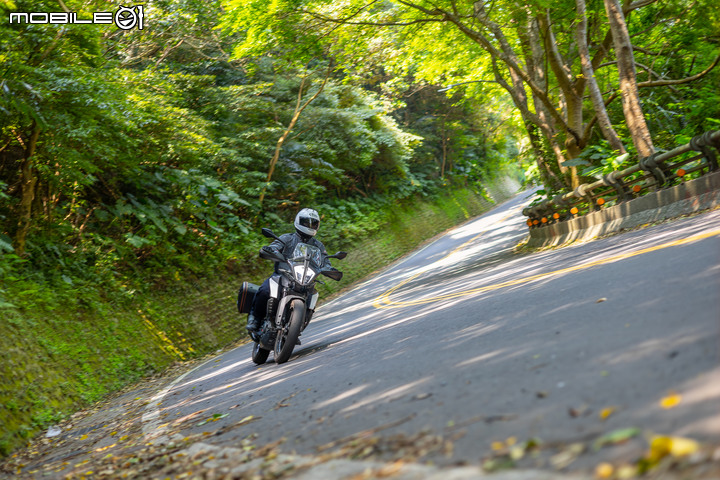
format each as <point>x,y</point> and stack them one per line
<point>269,234</point>
<point>339,255</point>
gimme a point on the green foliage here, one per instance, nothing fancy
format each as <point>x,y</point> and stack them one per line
<point>599,160</point>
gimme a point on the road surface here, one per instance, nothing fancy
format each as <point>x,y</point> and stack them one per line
<point>466,348</point>
<point>467,340</point>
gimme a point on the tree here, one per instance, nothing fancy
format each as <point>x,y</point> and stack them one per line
<point>299,107</point>
<point>634,116</point>
<point>534,56</point>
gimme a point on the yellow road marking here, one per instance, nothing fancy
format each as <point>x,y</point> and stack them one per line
<point>385,297</point>
<point>384,301</point>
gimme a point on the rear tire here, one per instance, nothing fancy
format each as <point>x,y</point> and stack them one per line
<point>259,354</point>
<point>284,344</point>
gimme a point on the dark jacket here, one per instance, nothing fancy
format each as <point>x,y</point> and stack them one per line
<point>291,240</point>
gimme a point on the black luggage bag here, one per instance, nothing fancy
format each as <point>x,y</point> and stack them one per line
<point>246,294</point>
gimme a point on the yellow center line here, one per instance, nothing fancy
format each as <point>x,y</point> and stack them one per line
<point>384,301</point>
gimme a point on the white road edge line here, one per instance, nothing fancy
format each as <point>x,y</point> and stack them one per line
<point>151,427</point>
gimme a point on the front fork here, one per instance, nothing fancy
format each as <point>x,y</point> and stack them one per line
<point>308,317</point>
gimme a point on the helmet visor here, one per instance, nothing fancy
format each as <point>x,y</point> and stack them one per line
<point>308,222</point>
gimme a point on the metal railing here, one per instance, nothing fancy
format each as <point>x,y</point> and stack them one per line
<point>658,171</point>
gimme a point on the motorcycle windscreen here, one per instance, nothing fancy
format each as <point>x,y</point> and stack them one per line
<point>304,251</point>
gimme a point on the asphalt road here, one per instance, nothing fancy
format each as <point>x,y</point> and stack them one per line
<point>471,343</point>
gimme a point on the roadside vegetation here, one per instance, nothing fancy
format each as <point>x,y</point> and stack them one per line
<point>137,167</point>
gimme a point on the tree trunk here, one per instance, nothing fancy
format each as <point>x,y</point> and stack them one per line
<point>529,35</point>
<point>28,180</point>
<point>550,178</point>
<point>534,123</point>
<point>634,117</point>
<point>444,147</point>
<point>589,73</point>
<point>571,100</point>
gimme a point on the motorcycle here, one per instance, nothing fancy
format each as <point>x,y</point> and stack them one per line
<point>292,298</point>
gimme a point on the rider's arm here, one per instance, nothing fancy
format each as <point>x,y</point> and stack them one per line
<point>276,245</point>
<point>281,246</point>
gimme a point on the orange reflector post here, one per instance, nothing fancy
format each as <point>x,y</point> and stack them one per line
<point>574,210</point>
<point>601,201</point>
<point>637,188</point>
<point>681,172</point>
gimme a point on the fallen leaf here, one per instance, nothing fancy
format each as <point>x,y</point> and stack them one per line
<point>616,436</point>
<point>495,464</point>
<point>625,472</point>
<point>517,452</point>
<point>606,412</point>
<point>248,419</point>
<point>661,446</point>
<point>600,300</point>
<point>671,401</point>
<point>497,446</point>
<point>604,470</point>
<point>578,412</point>
<point>391,469</point>
<point>567,456</point>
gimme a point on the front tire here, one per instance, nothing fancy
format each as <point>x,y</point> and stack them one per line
<point>259,354</point>
<point>285,343</point>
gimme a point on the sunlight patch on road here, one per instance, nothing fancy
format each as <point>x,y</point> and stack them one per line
<point>481,358</point>
<point>384,301</point>
<point>386,396</point>
<point>342,396</point>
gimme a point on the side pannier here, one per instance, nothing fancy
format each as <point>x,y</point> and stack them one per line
<point>246,294</point>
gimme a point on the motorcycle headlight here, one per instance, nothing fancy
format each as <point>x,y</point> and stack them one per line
<point>303,275</point>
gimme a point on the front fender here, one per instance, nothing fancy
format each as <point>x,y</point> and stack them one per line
<point>282,305</point>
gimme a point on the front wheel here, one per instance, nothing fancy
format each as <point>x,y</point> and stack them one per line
<point>259,354</point>
<point>285,342</point>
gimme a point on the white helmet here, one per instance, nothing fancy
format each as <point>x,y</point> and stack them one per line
<point>307,221</point>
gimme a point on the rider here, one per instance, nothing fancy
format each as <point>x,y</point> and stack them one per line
<point>307,222</point>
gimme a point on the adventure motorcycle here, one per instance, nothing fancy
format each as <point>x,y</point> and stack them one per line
<point>292,298</point>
